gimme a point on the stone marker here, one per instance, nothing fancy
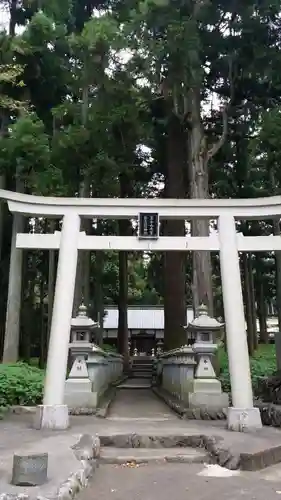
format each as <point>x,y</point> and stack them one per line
<point>30,470</point>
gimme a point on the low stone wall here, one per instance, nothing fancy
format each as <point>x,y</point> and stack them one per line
<point>175,371</point>
<point>190,413</point>
<point>187,375</point>
<point>104,369</point>
<point>91,379</point>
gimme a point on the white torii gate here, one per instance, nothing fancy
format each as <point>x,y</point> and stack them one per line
<point>54,413</point>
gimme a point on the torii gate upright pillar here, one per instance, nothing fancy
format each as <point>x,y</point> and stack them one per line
<point>53,414</point>
<point>242,415</point>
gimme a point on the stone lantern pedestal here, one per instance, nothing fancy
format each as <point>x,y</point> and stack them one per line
<point>206,389</point>
<point>78,386</point>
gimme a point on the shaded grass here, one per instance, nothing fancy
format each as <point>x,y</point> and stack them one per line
<point>263,364</point>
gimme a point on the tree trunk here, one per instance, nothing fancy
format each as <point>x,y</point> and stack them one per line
<point>44,335</point>
<point>82,286</point>
<point>123,332</point>
<point>277,232</point>
<point>13,12</point>
<point>199,188</point>
<point>247,301</point>
<point>4,223</point>
<point>28,308</point>
<point>99,303</point>
<point>253,302</point>
<point>4,269</point>
<point>124,230</point>
<point>174,262</point>
<point>2,186</point>
<point>12,334</point>
<point>261,305</point>
<point>51,280</point>
<point>202,271</point>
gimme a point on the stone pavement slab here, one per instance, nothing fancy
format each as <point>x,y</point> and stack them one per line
<point>177,482</point>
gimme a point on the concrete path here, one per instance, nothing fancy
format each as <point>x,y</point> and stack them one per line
<point>180,482</point>
<point>140,404</point>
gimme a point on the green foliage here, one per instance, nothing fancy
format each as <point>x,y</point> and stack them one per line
<point>20,384</point>
<point>59,11</point>
<point>101,30</point>
<point>11,75</point>
<point>265,151</point>
<point>263,364</point>
<point>27,150</point>
<point>140,288</point>
<point>41,30</point>
<point>109,348</point>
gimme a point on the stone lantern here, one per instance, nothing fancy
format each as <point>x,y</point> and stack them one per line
<point>78,386</point>
<point>206,387</point>
<point>204,328</point>
<point>159,347</point>
<point>82,328</point>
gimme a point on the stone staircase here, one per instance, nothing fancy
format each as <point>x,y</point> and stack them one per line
<point>140,375</point>
<point>142,367</point>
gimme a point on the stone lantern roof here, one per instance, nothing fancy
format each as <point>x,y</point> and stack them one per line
<point>82,320</point>
<point>204,322</point>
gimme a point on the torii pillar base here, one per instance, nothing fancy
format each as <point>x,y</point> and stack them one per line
<point>51,417</point>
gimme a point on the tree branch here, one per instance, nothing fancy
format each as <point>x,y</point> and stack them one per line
<point>216,147</point>
<point>225,110</point>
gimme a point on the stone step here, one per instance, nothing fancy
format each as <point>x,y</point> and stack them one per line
<point>142,359</point>
<point>145,455</point>
<point>141,363</point>
<point>142,371</point>
<point>137,369</point>
<point>142,367</point>
<point>141,375</point>
<point>136,383</point>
